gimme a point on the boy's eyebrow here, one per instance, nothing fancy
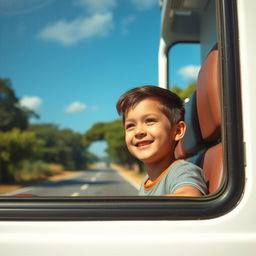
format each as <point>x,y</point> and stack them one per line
<point>129,120</point>
<point>142,117</point>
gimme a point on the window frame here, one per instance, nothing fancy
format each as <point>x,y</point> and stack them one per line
<point>163,208</point>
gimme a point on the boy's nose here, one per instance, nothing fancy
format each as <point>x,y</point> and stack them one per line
<point>140,132</point>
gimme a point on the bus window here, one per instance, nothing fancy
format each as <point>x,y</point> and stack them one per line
<point>61,61</point>
<point>184,62</point>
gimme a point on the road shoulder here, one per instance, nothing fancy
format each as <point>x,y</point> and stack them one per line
<point>131,176</point>
<point>6,188</point>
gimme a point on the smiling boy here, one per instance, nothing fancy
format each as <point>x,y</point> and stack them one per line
<point>153,122</point>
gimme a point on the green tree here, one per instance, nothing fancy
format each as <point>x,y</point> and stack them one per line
<point>11,113</point>
<point>113,133</point>
<point>48,133</point>
<point>15,146</point>
<point>117,149</point>
<point>73,142</point>
<point>95,133</point>
<point>60,146</point>
<point>184,93</point>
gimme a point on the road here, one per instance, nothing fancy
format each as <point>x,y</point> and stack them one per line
<point>97,182</point>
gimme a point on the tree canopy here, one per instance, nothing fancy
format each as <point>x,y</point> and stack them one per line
<point>184,93</point>
<point>16,146</point>
<point>22,143</point>
<point>11,113</point>
<point>60,146</point>
<point>111,132</point>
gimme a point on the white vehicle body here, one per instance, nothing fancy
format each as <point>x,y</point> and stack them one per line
<point>230,233</point>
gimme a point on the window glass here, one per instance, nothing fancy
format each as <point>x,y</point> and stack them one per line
<point>63,66</point>
<point>184,62</point>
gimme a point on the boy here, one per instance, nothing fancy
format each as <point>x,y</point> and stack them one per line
<point>153,122</point>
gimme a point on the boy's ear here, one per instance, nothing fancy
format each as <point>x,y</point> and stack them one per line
<point>180,130</point>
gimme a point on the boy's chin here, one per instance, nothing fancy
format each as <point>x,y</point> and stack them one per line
<point>146,160</point>
<point>145,157</point>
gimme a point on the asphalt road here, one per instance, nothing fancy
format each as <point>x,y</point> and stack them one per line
<point>96,182</point>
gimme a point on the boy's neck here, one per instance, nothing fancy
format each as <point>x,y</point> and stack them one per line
<point>154,170</point>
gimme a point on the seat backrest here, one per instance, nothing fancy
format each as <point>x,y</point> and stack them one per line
<point>213,167</point>
<point>208,98</point>
<point>202,141</point>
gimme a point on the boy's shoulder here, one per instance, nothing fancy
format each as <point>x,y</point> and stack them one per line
<point>182,166</point>
<point>180,173</point>
<point>184,163</point>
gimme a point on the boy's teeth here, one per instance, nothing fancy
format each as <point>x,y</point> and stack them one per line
<point>143,143</point>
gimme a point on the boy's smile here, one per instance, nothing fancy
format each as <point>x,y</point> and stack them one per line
<point>149,135</point>
<point>143,144</point>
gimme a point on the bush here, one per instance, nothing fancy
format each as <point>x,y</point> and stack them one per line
<point>38,170</point>
<point>15,147</point>
<point>56,168</point>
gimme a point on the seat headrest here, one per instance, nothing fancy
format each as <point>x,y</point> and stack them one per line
<point>192,141</point>
<point>208,98</point>
<point>203,111</point>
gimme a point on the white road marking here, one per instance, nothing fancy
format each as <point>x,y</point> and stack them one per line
<point>75,194</point>
<point>85,186</point>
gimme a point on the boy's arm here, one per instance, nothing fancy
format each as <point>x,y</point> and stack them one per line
<point>186,191</point>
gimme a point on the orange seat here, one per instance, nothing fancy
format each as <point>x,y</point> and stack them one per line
<point>213,167</point>
<point>202,141</point>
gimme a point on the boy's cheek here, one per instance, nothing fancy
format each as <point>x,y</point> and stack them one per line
<point>127,139</point>
<point>128,142</point>
<point>130,148</point>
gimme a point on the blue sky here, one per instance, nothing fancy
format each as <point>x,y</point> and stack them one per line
<point>70,60</point>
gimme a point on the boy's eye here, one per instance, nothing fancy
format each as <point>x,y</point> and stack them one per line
<point>129,125</point>
<point>150,120</point>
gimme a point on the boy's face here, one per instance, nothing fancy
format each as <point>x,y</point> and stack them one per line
<point>149,135</point>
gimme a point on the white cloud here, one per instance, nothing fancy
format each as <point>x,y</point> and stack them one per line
<point>74,107</point>
<point>126,22</point>
<point>95,6</point>
<point>31,102</point>
<point>68,33</point>
<point>189,73</point>
<point>144,4</point>
<point>17,7</point>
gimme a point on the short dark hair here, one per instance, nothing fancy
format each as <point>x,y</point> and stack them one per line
<point>170,104</point>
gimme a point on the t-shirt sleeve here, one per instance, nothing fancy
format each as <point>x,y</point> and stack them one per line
<point>187,174</point>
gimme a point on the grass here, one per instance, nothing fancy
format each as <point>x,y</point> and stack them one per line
<point>35,172</point>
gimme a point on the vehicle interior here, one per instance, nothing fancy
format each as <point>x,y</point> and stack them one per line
<point>202,144</point>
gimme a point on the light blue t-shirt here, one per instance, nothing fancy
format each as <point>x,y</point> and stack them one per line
<point>180,173</point>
